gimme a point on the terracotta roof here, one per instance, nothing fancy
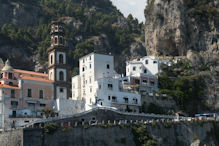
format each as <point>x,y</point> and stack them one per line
<point>8,86</point>
<point>36,79</point>
<point>30,72</point>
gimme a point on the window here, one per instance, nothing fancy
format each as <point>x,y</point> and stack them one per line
<point>10,83</point>
<point>126,100</point>
<point>99,86</point>
<point>61,90</point>
<point>144,81</point>
<point>61,58</point>
<point>14,114</point>
<point>146,61</point>
<point>29,93</point>
<point>51,59</point>
<point>114,99</point>
<point>90,89</point>
<point>108,66</point>
<point>83,69</point>
<point>134,68</point>
<point>83,60</point>
<point>155,62</point>
<point>135,100</point>
<point>60,40</point>
<point>61,76</point>
<point>42,105</point>
<point>152,83</point>
<point>31,105</point>
<point>14,104</point>
<point>41,94</point>
<point>108,97</point>
<point>110,86</point>
<point>137,81</point>
<point>12,93</point>
<point>145,71</point>
<point>90,66</point>
<point>10,75</point>
<point>90,57</point>
<point>56,40</point>
<point>90,79</point>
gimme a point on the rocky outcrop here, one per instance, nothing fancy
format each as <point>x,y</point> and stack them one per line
<point>174,27</point>
<point>20,57</point>
<point>19,14</point>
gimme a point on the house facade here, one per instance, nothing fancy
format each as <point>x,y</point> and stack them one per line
<point>99,85</point>
<point>142,74</point>
<point>23,94</point>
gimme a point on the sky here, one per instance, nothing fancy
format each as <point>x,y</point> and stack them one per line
<point>135,7</point>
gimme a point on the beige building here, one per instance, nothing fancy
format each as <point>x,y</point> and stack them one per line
<point>23,94</point>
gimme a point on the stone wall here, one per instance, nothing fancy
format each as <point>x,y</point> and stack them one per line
<point>121,135</point>
<point>11,138</point>
<point>67,107</point>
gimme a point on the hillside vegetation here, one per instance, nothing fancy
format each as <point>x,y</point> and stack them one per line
<point>91,25</point>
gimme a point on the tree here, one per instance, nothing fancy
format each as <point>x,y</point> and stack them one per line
<point>48,112</point>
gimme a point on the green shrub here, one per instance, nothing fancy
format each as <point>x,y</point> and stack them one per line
<point>50,127</point>
<point>167,124</point>
<point>141,136</point>
<point>195,138</point>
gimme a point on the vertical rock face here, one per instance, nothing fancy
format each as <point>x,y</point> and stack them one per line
<point>175,26</point>
<point>18,14</point>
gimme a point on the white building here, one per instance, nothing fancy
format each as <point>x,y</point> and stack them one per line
<point>99,85</point>
<point>148,65</point>
<point>143,72</point>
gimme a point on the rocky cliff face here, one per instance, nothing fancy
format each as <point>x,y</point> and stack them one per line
<point>175,26</point>
<point>19,14</point>
<point>187,28</point>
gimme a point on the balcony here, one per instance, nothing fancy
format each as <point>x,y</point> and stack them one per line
<point>22,116</point>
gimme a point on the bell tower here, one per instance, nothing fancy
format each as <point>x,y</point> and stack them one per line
<point>57,61</point>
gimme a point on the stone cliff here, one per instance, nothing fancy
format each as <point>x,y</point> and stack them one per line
<point>173,27</point>
<point>187,28</point>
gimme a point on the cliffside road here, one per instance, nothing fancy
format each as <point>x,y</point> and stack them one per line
<point>108,115</point>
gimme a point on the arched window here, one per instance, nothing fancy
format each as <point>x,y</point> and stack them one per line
<point>61,58</point>
<point>60,40</point>
<point>61,76</point>
<point>51,59</point>
<point>56,40</point>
